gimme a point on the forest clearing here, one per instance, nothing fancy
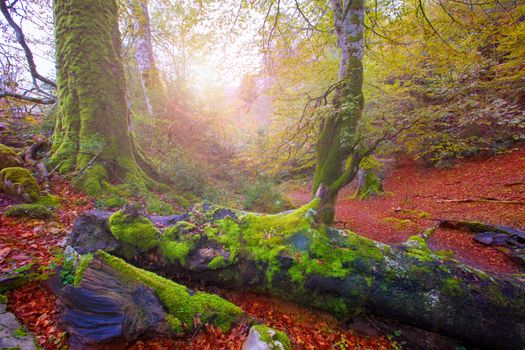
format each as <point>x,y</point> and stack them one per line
<point>266,174</point>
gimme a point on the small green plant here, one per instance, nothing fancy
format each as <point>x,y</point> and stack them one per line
<point>20,333</point>
<point>67,274</point>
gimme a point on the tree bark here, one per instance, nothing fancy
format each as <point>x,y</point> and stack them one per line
<point>154,94</point>
<point>338,136</point>
<point>93,134</point>
<point>289,256</point>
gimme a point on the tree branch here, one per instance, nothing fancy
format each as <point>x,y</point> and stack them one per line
<point>39,100</point>
<point>20,37</point>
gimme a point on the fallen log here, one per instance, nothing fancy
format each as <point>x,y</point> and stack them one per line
<point>108,303</point>
<point>511,240</point>
<point>480,227</point>
<point>288,255</point>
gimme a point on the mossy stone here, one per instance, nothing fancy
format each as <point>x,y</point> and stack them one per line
<point>138,231</point>
<point>19,183</point>
<point>273,338</point>
<point>30,211</point>
<point>8,157</point>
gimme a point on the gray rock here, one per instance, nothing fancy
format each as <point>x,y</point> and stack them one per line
<point>91,233</point>
<point>255,341</point>
<point>9,336</point>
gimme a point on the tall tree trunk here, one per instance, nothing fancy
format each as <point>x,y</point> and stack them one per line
<point>338,131</point>
<point>154,93</point>
<point>93,135</point>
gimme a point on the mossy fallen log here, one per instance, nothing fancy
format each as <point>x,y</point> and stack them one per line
<point>109,303</point>
<point>290,256</point>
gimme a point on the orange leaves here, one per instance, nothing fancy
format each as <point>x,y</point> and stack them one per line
<point>34,242</point>
<point>37,309</point>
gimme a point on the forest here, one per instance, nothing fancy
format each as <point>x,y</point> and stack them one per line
<point>262,174</point>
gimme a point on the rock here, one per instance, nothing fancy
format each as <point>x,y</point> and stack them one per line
<point>200,258</point>
<point>8,157</point>
<point>222,213</point>
<point>19,184</point>
<point>167,220</point>
<point>106,310</point>
<point>12,334</point>
<point>266,338</point>
<point>91,233</point>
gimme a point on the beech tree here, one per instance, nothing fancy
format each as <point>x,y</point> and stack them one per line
<point>338,152</point>
<point>93,136</point>
<point>154,93</point>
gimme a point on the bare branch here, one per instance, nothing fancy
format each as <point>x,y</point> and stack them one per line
<point>39,100</point>
<point>20,37</point>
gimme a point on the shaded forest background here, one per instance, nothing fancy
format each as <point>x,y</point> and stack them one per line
<point>448,74</point>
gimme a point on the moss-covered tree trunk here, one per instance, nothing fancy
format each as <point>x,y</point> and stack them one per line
<point>338,139</point>
<point>154,92</point>
<point>290,256</point>
<point>93,136</point>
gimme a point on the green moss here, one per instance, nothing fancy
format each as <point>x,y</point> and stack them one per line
<point>112,200</point>
<point>178,231</point>
<point>267,238</point>
<point>177,299</point>
<point>452,285</point>
<point>270,336</point>
<point>175,324</point>
<point>49,200</point>
<point>399,224</point>
<point>8,157</point>
<point>31,211</point>
<point>416,213</point>
<point>176,251</point>
<point>3,299</point>
<point>92,181</point>
<point>217,263</point>
<point>19,182</point>
<point>20,333</point>
<point>157,206</point>
<point>416,247</point>
<point>138,232</point>
<point>180,200</point>
<point>176,242</point>
<point>83,264</point>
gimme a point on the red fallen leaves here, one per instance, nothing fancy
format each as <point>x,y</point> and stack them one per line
<point>37,309</point>
<point>35,242</point>
<point>308,330</point>
<point>412,190</point>
<point>24,242</point>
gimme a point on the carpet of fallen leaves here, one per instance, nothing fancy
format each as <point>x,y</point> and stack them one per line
<point>34,243</point>
<point>414,196</point>
<point>36,307</point>
<point>308,330</point>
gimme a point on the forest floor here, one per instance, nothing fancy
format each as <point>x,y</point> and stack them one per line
<point>35,244</point>
<point>415,197</point>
